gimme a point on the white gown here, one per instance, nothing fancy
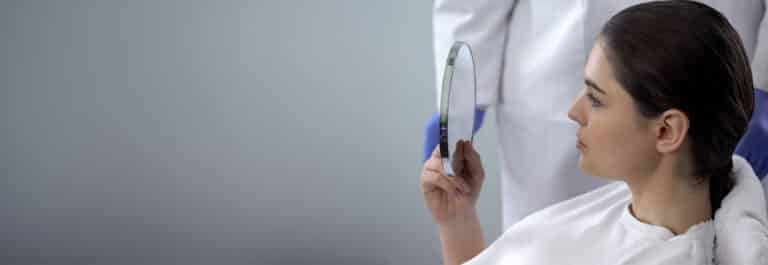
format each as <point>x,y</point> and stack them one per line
<point>598,228</point>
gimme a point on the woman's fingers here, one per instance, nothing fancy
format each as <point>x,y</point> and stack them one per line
<point>433,170</point>
<point>434,180</point>
<point>436,152</point>
<point>474,164</point>
<point>435,161</point>
<point>461,183</point>
<point>464,165</point>
<point>457,160</point>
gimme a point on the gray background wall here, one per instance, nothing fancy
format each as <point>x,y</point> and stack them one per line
<point>218,132</point>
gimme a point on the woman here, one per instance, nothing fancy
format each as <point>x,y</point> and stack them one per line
<point>645,121</point>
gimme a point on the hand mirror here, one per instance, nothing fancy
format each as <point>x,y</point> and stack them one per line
<point>457,103</point>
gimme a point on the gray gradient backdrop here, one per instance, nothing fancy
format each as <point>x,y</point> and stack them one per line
<point>218,132</point>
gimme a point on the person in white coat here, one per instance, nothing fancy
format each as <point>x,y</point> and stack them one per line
<point>665,100</point>
<point>529,55</point>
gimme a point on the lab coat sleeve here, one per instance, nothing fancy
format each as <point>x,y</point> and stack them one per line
<point>765,189</point>
<point>753,146</point>
<point>760,59</point>
<point>754,143</point>
<point>483,25</point>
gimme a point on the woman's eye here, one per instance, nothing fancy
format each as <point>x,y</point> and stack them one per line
<point>595,102</point>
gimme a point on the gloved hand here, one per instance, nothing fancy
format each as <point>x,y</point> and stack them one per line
<point>432,132</point>
<point>753,146</point>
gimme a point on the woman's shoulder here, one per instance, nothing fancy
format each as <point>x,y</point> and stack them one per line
<point>609,193</point>
<point>614,195</point>
<point>695,247</point>
<point>601,205</point>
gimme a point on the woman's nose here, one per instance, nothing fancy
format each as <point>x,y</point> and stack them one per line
<point>575,113</point>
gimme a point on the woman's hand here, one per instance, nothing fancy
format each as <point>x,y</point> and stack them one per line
<point>453,199</point>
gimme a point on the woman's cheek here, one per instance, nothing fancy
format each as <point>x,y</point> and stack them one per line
<point>603,147</point>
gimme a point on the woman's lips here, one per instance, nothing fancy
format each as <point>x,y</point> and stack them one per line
<point>580,145</point>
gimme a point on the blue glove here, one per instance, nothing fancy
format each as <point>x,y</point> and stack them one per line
<point>432,132</point>
<point>754,144</point>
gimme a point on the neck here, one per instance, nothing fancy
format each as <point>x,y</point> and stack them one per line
<point>669,200</point>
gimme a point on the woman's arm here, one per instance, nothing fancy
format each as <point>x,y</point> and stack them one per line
<point>451,201</point>
<point>461,240</point>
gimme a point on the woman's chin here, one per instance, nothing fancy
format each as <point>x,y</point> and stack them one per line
<point>584,166</point>
<point>588,168</point>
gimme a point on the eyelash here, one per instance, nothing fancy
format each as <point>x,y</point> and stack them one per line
<point>594,100</point>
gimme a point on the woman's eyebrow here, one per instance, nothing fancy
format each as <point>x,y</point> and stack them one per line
<point>592,84</point>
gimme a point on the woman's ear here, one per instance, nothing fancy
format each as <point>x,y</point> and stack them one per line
<point>671,130</point>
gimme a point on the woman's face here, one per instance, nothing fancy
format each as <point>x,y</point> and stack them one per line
<point>614,139</point>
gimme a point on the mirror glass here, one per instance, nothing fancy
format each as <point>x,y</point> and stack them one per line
<point>457,103</point>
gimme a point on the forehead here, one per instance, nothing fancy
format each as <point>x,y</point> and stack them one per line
<point>600,71</point>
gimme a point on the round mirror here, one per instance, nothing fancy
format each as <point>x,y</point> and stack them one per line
<point>457,103</point>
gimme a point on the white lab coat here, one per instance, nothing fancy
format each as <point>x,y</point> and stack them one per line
<point>529,56</point>
<point>765,187</point>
